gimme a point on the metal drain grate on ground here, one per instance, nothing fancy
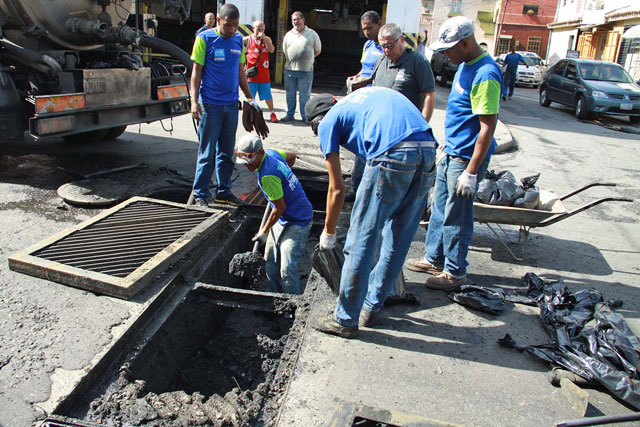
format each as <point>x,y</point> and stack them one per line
<point>121,250</point>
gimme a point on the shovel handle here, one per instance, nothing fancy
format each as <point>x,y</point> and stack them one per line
<point>267,211</point>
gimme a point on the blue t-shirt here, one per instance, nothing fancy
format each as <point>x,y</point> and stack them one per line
<point>220,57</point>
<point>276,180</point>
<point>512,60</point>
<point>370,121</point>
<point>475,91</point>
<point>370,54</point>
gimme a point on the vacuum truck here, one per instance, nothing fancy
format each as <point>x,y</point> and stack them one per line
<point>74,69</point>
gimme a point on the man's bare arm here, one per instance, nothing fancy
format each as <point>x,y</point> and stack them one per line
<point>335,194</point>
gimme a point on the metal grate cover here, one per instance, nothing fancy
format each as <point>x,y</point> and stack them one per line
<point>121,250</point>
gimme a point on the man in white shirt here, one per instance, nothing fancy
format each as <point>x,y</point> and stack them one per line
<point>300,46</point>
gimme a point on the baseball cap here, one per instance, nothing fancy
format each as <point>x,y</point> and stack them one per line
<point>451,32</point>
<point>319,104</point>
<point>247,148</point>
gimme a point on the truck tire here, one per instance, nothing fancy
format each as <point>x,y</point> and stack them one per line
<point>86,137</point>
<point>114,133</point>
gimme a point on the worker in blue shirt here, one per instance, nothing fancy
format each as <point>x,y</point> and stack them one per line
<point>387,130</point>
<point>371,51</point>
<point>511,73</point>
<point>287,228</point>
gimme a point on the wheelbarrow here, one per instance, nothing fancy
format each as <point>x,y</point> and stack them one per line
<point>551,210</point>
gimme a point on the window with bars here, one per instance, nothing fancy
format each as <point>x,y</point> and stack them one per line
<point>504,45</point>
<point>533,44</point>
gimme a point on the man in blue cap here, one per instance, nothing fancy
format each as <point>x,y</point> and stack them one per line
<point>384,127</point>
<point>471,118</point>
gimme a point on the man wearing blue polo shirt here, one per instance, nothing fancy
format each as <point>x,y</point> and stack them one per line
<point>218,68</point>
<point>384,127</point>
<point>286,230</point>
<point>371,51</point>
<point>472,114</point>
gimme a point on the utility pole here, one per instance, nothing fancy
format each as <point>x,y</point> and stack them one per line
<point>497,43</point>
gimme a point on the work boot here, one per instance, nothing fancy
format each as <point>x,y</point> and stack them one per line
<point>202,203</point>
<point>422,266</point>
<point>286,119</point>
<point>274,119</point>
<point>229,199</point>
<point>369,319</point>
<point>329,325</point>
<point>445,282</point>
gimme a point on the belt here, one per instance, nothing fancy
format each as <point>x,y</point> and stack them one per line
<point>414,144</point>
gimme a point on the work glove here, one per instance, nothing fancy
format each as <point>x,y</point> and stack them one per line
<point>327,241</point>
<point>466,185</point>
<point>255,105</point>
<point>260,237</point>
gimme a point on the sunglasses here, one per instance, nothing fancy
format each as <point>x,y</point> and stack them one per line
<point>390,45</point>
<point>248,156</point>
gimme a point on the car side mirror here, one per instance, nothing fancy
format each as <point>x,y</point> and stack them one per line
<point>571,76</point>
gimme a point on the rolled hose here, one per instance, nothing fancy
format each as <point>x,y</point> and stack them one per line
<point>166,47</point>
<point>32,58</point>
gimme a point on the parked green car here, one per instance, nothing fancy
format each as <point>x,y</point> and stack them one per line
<point>592,88</point>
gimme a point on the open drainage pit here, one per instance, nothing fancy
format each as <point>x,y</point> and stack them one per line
<point>222,356</point>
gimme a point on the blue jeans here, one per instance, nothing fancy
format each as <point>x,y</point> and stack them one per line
<point>356,173</point>
<point>390,198</point>
<point>217,134</point>
<point>297,81</point>
<point>509,83</point>
<point>282,254</point>
<point>451,223</point>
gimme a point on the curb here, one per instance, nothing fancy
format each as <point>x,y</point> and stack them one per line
<point>504,138</point>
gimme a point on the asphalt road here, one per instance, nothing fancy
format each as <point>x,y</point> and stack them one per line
<point>50,334</point>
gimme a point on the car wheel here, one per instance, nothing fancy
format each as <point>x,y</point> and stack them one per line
<point>444,77</point>
<point>634,119</point>
<point>581,109</point>
<point>544,97</point>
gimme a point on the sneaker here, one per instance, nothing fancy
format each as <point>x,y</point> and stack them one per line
<point>445,282</point>
<point>509,97</point>
<point>229,199</point>
<point>369,319</point>
<point>274,119</point>
<point>202,203</point>
<point>286,119</point>
<point>422,266</point>
<point>504,98</point>
<point>329,325</point>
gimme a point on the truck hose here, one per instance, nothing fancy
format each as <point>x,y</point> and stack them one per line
<point>164,46</point>
<point>31,58</point>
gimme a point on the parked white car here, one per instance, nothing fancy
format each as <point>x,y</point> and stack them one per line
<point>537,60</point>
<point>528,73</point>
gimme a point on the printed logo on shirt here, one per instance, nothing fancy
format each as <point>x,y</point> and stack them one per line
<point>218,55</point>
<point>235,51</point>
<point>459,88</point>
<point>400,75</point>
<point>265,63</point>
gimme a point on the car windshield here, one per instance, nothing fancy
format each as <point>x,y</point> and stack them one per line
<point>605,73</point>
<point>528,61</point>
<point>536,61</point>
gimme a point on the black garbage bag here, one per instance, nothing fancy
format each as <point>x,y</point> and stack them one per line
<point>529,181</point>
<point>586,337</point>
<point>490,300</point>
<point>503,192</point>
<point>529,200</point>
<point>328,263</point>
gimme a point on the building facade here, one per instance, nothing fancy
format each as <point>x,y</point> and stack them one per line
<point>524,24</point>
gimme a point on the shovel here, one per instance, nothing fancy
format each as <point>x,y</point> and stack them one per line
<point>251,265</point>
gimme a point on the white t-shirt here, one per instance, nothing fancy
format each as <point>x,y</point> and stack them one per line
<point>299,49</point>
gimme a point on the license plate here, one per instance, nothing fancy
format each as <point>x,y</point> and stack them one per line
<point>626,106</point>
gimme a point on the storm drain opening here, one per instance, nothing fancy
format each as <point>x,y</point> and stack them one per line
<point>223,357</point>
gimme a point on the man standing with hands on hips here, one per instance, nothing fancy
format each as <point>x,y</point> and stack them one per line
<point>471,118</point>
<point>218,68</point>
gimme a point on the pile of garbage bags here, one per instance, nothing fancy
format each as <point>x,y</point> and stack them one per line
<point>503,189</point>
<point>586,336</point>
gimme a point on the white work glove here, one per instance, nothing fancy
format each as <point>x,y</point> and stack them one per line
<point>260,237</point>
<point>466,185</point>
<point>327,241</point>
<point>255,105</point>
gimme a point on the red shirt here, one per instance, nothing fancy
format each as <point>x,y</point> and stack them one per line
<point>252,58</point>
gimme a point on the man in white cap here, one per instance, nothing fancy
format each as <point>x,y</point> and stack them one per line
<point>472,114</point>
<point>287,228</point>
